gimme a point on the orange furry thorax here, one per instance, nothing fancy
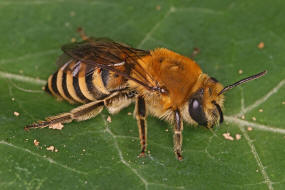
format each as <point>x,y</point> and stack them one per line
<point>177,73</point>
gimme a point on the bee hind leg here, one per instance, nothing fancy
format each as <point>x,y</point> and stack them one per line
<point>177,137</point>
<point>80,113</point>
<point>140,112</point>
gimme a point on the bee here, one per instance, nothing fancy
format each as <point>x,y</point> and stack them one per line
<point>99,72</point>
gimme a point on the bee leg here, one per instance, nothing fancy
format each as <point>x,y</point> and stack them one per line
<point>177,137</point>
<point>141,121</point>
<point>80,113</point>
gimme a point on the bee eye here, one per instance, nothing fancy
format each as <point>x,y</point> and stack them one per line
<point>196,112</point>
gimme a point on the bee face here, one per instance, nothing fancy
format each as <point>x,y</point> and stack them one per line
<point>204,106</point>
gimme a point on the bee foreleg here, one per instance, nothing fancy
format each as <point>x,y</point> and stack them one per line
<point>177,137</point>
<point>140,112</point>
<point>80,113</point>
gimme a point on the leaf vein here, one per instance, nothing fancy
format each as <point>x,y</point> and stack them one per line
<point>257,158</point>
<point>21,78</point>
<point>148,35</point>
<point>263,99</point>
<point>146,184</point>
<point>27,56</point>
<point>122,160</point>
<point>261,127</point>
<point>50,160</point>
<point>200,10</point>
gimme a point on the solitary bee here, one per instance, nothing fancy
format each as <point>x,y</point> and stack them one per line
<point>99,72</point>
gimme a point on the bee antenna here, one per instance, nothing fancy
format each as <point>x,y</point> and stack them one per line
<point>243,81</point>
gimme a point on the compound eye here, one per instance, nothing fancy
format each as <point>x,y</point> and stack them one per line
<point>196,112</point>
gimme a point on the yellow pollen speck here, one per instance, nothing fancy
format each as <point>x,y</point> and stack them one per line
<point>16,113</point>
<point>228,136</point>
<point>260,45</point>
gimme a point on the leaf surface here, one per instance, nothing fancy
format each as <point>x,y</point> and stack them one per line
<point>96,154</point>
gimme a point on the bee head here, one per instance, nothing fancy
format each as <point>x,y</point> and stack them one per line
<point>206,100</point>
<point>205,104</point>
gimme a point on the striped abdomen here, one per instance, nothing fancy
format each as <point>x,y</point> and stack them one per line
<point>78,82</point>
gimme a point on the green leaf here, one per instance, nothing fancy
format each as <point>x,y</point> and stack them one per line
<point>96,154</point>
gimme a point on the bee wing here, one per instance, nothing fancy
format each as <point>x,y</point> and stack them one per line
<point>63,59</point>
<point>106,54</point>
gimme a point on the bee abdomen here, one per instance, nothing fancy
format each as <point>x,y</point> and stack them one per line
<point>94,85</point>
<point>78,84</point>
<point>51,86</point>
